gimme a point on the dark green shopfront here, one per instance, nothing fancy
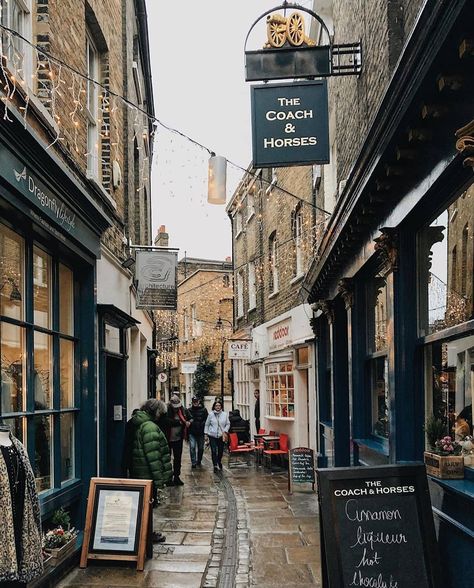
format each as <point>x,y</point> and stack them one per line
<point>392,288</point>
<point>50,233</point>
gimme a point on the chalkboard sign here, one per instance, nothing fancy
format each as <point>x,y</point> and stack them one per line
<point>377,527</point>
<point>301,466</point>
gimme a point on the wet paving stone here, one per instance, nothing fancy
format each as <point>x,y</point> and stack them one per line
<point>233,530</point>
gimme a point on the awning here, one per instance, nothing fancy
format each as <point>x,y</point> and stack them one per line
<point>116,317</point>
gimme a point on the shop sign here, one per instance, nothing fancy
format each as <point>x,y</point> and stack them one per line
<point>53,209</point>
<point>371,520</point>
<point>156,277</point>
<point>290,124</point>
<point>279,335</point>
<point>239,349</point>
<point>188,367</point>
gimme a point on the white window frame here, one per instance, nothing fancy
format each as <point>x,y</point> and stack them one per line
<point>240,294</point>
<point>252,286</point>
<point>193,321</point>
<point>251,203</point>
<point>239,225</point>
<point>92,108</point>
<point>25,69</point>
<point>185,324</point>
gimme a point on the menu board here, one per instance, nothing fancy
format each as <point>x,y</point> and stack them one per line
<point>377,527</point>
<point>301,470</point>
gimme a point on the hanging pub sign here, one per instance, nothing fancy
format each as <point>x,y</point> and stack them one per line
<point>377,527</point>
<point>290,124</point>
<point>156,278</point>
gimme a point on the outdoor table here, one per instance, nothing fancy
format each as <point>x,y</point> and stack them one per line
<point>269,440</point>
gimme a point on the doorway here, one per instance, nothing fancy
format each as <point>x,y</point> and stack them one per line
<point>115,415</point>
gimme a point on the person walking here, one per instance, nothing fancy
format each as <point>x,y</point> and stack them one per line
<point>149,454</point>
<point>198,414</point>
<point>217,428</point>
<point>179,421</point>
<point>257,410</point>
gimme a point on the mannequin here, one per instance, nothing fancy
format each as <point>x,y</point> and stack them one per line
<point>21,557</point>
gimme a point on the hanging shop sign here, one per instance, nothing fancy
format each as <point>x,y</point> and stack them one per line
<point>239,349</point>
<point>188,367</point>
<point>372,519</point>
<point>290,124</point>
<point>279,335</point>
<point>156,277</point>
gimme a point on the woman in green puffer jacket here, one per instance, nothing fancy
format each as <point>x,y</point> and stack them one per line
<point>150,455</point>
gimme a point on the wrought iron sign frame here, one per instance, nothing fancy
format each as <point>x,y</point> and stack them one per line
<point>307,62</point>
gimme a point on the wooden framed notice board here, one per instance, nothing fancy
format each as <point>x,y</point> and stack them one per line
<point>377,527</point>
<point>117,520</point>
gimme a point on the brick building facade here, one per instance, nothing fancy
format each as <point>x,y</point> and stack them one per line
<point>74,191</point>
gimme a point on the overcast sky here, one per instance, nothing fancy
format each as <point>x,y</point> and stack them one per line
<point>198,74</point>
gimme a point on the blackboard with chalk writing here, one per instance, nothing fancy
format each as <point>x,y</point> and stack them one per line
<point>377,527</point>
<point>301,466</point>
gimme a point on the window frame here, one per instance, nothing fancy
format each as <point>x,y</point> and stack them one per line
<point>25,7</point>
<point>240,294</point>
<point>273,264</point>
<point>271,377</point>
<point>252,285</point>
<point>92,108</point>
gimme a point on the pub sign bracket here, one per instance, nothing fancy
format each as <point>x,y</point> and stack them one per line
<point>290,54</point>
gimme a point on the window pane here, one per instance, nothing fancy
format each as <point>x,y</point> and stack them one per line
<point>451,367</point>
<point>66,300</point>
<point>112,339</point>
<point>380,401</point>
<point>43,449</point>
<point>11,274</point>
<point>66,367</point>
<point>446,267</point>
<point>42,288</point>
<point>67,446</point>
<point>13,368</point>
<point>43,374</point>
<point>377,327</point>
<point>17,428</point>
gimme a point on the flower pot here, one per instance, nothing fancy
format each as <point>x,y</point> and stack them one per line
<point>59,554</point>
<point>446,467</point>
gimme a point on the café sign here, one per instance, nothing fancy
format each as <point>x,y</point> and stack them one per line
<point>239,349</point>
<point>290,124</point>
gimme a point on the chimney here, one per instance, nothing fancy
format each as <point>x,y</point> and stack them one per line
<point>162,238</point>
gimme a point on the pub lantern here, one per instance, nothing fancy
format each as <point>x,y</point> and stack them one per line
<point>217,176</point>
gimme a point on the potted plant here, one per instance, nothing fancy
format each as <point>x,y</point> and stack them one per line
<point>445,460</point>
<point>60,541</point>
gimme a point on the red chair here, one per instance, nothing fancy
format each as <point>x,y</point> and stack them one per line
<point>261,432</point>
<point>282,449</point>
<point>235,449</point>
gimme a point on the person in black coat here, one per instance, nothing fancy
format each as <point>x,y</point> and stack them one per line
<point>196,431</point>
<point>240,426</point>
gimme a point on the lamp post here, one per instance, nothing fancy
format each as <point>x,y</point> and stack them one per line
<point>219,326</point>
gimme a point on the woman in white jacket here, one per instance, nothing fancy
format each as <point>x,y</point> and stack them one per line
<point>216,428</point>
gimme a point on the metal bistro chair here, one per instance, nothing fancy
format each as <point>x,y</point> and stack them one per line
<point>282,449</point>
<point>235,450</point>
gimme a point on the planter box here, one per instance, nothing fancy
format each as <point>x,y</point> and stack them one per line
<point>446,467</point>
<point>59,554</point>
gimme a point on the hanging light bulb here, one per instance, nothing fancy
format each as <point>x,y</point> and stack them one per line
<point>216,186</point>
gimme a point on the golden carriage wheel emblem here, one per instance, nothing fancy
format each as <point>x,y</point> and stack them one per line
<point>281,29</point>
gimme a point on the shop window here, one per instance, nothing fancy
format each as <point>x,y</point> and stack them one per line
<point>252,286</point>
<point>40,407</point>
<point>280,390</point>
<point>450,385</point>
<point>446,267</point>
<point>377,358</point>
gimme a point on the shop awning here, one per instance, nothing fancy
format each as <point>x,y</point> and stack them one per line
<point>116,317</point>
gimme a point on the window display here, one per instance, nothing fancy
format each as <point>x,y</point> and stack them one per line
<point>37,322</point>
<point>280,390</point>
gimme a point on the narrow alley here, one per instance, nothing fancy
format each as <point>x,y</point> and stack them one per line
<point>238,529</point>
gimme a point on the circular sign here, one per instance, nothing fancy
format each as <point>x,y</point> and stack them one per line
<point>162,377</point>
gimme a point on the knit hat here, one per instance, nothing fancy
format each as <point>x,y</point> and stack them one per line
<point>175,401</point>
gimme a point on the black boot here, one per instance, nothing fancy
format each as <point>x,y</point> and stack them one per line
<point>178,482</point>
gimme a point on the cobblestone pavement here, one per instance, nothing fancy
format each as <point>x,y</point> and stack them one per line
<point>237,529</point>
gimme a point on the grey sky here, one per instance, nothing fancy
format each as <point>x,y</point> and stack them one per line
<point>198,74</point>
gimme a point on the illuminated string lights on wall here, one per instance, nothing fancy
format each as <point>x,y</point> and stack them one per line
<point>61,88</point>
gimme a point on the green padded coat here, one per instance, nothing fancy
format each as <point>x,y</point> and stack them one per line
<point>150,452</point>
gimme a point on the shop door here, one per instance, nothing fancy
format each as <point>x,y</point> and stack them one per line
<point>115,411</point>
